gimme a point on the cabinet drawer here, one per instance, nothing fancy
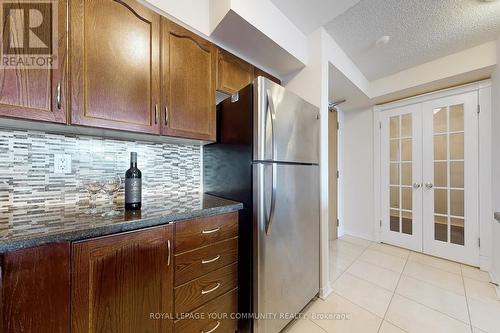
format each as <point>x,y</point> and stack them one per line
<point>204,289</point>
<point>193,264</point>
<point>214,317</point>
<point>192,234</point>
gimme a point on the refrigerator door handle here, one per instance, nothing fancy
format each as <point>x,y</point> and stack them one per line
<point>274,185</point>
<point>272,110</point>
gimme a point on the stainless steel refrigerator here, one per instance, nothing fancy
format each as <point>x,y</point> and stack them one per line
<point>267,156</point>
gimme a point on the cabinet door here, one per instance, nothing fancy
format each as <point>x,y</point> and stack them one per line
<point>115,75</point>
<point>259,72</point>
<point>36,94</point>
<point>233,74</point>
<point>120,282</point>
<point>188,73</point>
<point>34,290</point>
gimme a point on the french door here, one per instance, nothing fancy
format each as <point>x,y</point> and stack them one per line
<point>430,177</point>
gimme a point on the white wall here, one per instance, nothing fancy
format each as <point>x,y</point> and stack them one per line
<point>496,165</point>
<point>356,173</point>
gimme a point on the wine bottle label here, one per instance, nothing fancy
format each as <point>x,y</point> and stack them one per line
<point>133,190</point>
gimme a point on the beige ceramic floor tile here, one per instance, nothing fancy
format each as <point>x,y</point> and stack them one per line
<point>485,315</point>
<point>443,264</point>
<point>363,293</point>
<point>304,326</point>
<point>335,273</point>
<point>343,247</point>
<point>383,260</point>
<point>477,330</point>
<point>338,315</point>
<point>416,318</point>
<point>389,249</point>
<point>375,274</point>
<point>475,273</point>
<point>342,260</point>
<point>435,276</point>
<point>482,291</point>
<point>447,302</point>
<point>356,240</point>
<point>389,328</point>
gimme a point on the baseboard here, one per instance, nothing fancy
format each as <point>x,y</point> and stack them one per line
<point>359,235</point>
<point>325,292</point>
<point>494,279</point>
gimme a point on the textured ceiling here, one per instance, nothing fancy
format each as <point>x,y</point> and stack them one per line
<point>309,15</point>
<point>421,31</point>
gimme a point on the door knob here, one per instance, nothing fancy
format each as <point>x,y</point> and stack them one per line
<point>429,185</point>
<point>416,186</point>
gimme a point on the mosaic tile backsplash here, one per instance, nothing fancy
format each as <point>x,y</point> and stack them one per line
<point>27,167</point>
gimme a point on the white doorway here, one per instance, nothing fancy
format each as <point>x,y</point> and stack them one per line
<point>429,177</point>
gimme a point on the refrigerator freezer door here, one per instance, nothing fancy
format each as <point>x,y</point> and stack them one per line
<point>286,128</point>
<point>286,236</point>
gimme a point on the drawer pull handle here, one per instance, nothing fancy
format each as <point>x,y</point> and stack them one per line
<point>169,248</point>
<point>213,329</point>
<point>204,292</point>
<point>207,232</point>
<point>211,260</point>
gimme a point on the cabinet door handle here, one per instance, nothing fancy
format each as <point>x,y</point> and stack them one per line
<point>213,329</point>
<point>156,114</point>
<point>166,115</point>
<point>169,248</point>
<point>210,260</point>
<point>204,292</point>
<point>207,232</point>
<point>58,96</point>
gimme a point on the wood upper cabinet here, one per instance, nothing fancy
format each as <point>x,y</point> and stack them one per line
<point>119,281</point>
<point>115,65</point>
<point>36,94</point>
<point>259,72</point>
<point>188,84</point>
<point>35,290</point>
<point>233,73</point>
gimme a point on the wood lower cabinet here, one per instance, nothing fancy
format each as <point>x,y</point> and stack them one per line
<point>115,65</point>
<point>29,93</point>
<point>120,282</point>
<point>215,316</point>
<point>188,84</point>
<point>35,290</point>
<point>206,274</point>
<point>233,73</point>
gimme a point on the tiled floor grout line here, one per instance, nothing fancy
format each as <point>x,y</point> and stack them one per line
<point>321,328</point>
<point>355,259</point>
<point>466,300</point>
<point>392,297</point>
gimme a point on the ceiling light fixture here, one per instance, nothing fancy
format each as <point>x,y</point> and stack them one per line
<point>382,41</point>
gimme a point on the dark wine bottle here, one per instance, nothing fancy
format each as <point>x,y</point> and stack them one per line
<point>133,185</point>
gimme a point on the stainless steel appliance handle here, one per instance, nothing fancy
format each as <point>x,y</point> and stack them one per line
<point>58,96</point>
<point>272,110</point>
<point>270,218</point>
<point>213,329</point>
<point>204,292</point>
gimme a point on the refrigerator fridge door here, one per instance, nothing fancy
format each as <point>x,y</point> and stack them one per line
<point>286,241</point>
<point>286,128</point>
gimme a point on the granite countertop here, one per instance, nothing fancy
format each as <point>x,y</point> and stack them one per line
<point>33,226</point>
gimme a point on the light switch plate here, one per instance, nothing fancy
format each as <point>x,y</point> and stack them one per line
<point>62,163</point>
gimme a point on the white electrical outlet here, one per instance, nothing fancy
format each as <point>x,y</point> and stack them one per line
<point>62,163</point>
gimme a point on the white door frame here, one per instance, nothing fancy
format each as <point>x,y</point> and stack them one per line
<point>485,157</point>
